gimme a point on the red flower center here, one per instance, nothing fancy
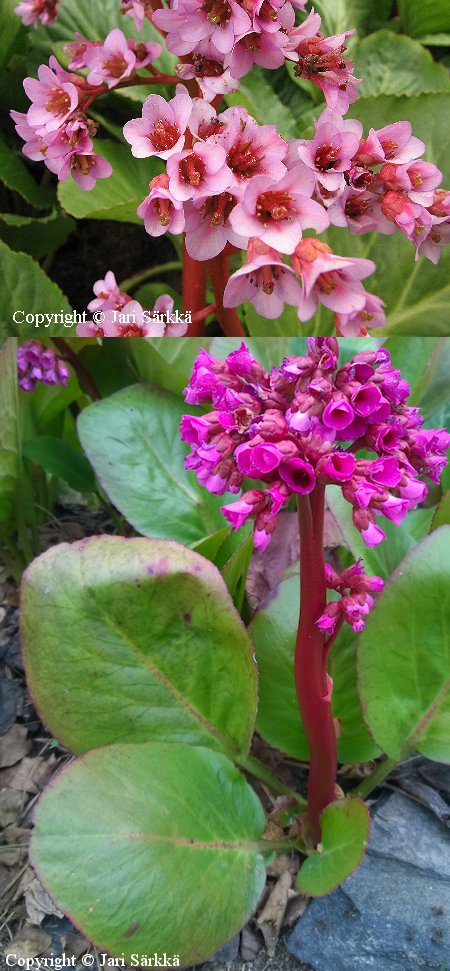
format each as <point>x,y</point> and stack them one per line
<point>217,11</point>
<point>275,205</point>
<point>164,135</point>
<point>242,159</point>
<point>326,158</point>
<point>192,169</point>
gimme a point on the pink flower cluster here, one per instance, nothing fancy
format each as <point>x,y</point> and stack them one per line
<point>117,315</point>
<point>111,60</point>
<point>225,38</point>
<point>38,363</point>
<point>55,128</point>
<point>307,422</point>
<point>32,11</point>
<point>355,589</point>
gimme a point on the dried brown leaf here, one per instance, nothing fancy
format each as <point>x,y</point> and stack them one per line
<point>14,745</point>
<point>29,943</point>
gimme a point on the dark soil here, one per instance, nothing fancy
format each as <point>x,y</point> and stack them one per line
<point>97,246</point>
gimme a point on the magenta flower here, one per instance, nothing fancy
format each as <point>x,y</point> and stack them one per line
<point>161,129</point>
<point>329,279</point>
<point>36,363</point>
<point>30,11</point>
<point>160,210</point>
<point>288,429</point>
<point>277,212</point>
<point>53,97</point>
<point>264,280</point>
<point>110,61</point>
<point>355,588</point>
<point>198,173</point>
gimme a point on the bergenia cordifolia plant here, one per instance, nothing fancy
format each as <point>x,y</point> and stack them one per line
<point>229,184</point>
<point>307,424</point>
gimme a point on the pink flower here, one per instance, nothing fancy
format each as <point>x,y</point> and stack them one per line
<point>53,97</point>
<point>188,23</point>
<point>77,50</point>
<point>247,506</point>
<point>161,129</point>
<point>394,143</point>
<point>330,152</point>
<point>208,226</point>
<point>264,280</point>
<point>108,295</point>
<point>200,172</point>
<point>84,169</point>
<point>437,236</point>
<point>211,76</point>
<point>258,460</point>
<point>30,11</point>
<point>251,149</point>
<point>111,61</point>
<point>332,280</point>
<point>138,10</point>
<point>257,47</point>
<point>298,475</point>
<point>321,60</point>
<point>355,324</point>
<point>160,210</point>
<point>276,212</point>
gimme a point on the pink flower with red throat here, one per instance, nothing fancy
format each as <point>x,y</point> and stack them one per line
<point>277,212</point>
<point>208,227</point>
<point>84,169</point>
<point>108,295</point>
<point>257,47</point>
<point>161,130</point>
<point>329,279</point>
<point>264,280</point>
<point>329,154</point>
<point>111,61</point>
<point>160,210</point>
<point>221,21</point>
<point>321,60</point>
<point>53,97</point>
<point>251,149</point>
<point>30,11</point>
<point>437,237</point>
<point>355,324</point>
<point>208,70</point>
<point>138,10</point>
<point>393,143</point>
<point>199,172</point>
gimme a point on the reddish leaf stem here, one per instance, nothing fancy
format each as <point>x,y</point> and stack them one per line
<point>311,682</point>
<point>194,291</point>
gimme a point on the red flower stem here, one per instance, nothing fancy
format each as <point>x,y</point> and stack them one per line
<point>219,272</point>
<point>310,661</point>
<point>194,292</point>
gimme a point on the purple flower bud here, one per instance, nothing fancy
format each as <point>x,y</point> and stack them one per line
<point>257,460</point>
<point>298,475</point>
<point>338,413</point>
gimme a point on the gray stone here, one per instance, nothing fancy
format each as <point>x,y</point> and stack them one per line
<point>393,913</point>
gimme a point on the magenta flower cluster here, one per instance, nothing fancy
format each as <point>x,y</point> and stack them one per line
<point>307,422</point>
<point>36,363</point>
<point>117,315</point>
<point>355,589</point>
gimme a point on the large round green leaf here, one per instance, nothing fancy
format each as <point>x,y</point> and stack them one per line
<point>133,640</point>
<point>273,632</point>
<point>345,831</point>
<point>404,655</point>
<point>152,848</point>
<point>133,441</point>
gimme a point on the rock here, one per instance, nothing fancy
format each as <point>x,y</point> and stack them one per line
<point>228,952</point>
<point>393,913</point>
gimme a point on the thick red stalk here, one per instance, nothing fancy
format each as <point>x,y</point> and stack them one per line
<point>194,292</point>
<point>219,272</point>
<point>311,682</point>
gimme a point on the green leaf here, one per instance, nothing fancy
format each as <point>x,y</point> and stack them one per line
<point>435,40</point>
<point>153,648</point>
<point>133,441</point>
<point>167,363</point>
<point>12,31</point>
<point>15,175</point>
<point>9,433</point>
<point>38,237</point>
<point>273,632</point>
<point>209,546</point>
<point>364,15</point>
<point>391,64</point>
<point>404,655</point>
<point>182,828</point>
<point>115,198</point>
<point>442,514</point>
<point>345,831</point>
<point>258,96</point>
<point>420,17</point>
<point>24,286</point>
<point>236,569</point>
<point>59,458</point>
<point>379,560</point>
